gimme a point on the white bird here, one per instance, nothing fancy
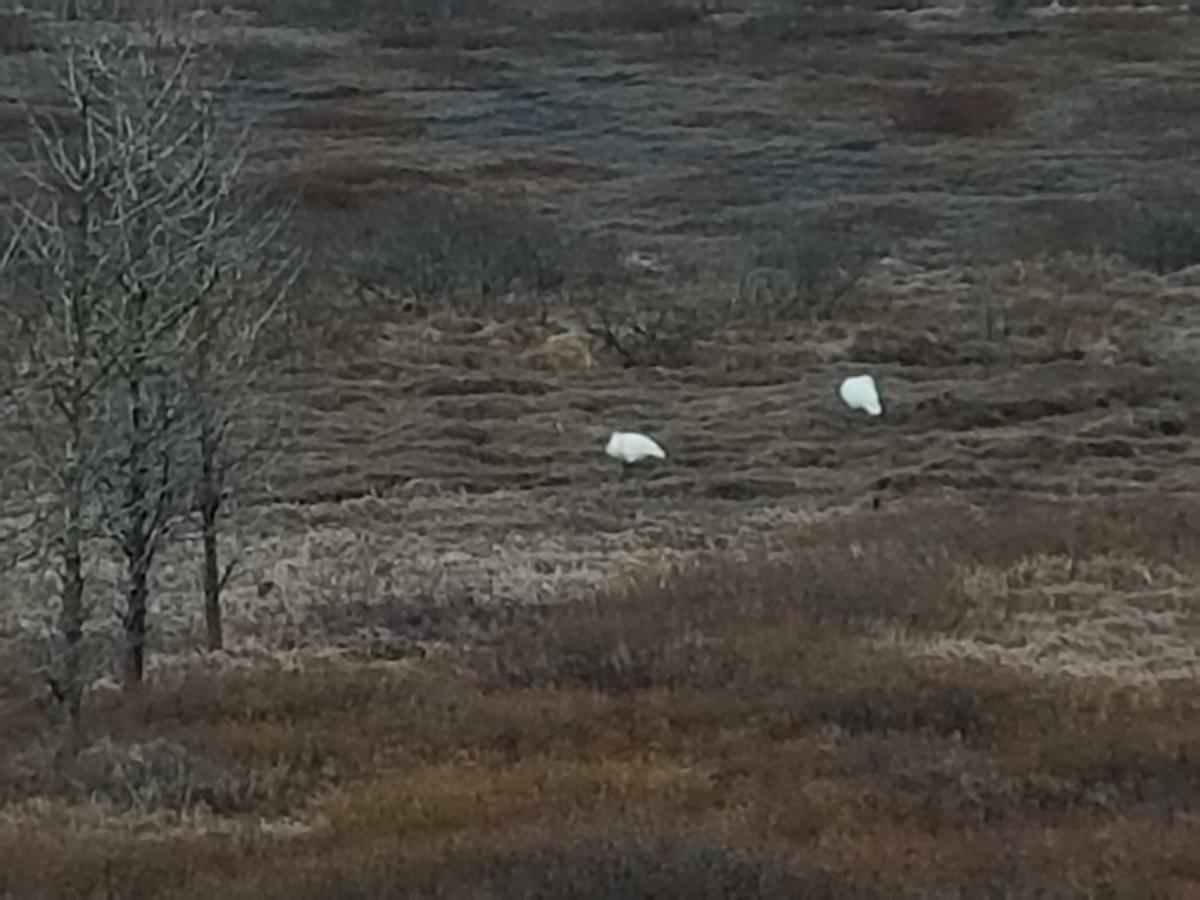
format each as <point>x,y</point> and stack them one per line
<point>859,392</point>
<point>630,447</point>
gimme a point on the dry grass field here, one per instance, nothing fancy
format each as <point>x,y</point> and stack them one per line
<point>949,652</point>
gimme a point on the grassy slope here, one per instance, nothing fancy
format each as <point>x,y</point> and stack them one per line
<point>765,720</point>
<point>930,699</point>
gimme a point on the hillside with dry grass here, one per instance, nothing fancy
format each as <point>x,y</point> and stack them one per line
<point>946,652</point>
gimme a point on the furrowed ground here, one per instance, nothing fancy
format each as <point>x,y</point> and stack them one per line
<point>465,658</point>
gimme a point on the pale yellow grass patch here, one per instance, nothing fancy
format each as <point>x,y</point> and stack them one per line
<point>97,819</point>
<point>1115,617</point>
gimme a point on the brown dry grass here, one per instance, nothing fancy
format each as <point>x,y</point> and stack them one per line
<point>963,111</point>
<point>649,17</point>
<point>766,720</point>
<point>337,117</point>
<point>934,699</point>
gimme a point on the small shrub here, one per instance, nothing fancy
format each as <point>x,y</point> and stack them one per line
<point>405,36</point>
<point>256,60</point>
<point>19,33</point>
<point>918,705</point>
<point>157,774</point>
<point>642,330</point>
<point>433,12</point>
<point>1142,108</point>
<point>351,14</point>
<point>1048,227</point>
<point>335,117</point>
<point>271,696</point>
<point>803,266</point>
<point>685,628</point>
<point>649,16</point>
<point>436,243</point>
<point>1126,37</point>
<point>344,187</point>
<point>398,623</point>
<point>967,111</point>
<point>1122,766</point>
<point>610,864</point>
<point>788,23</point>
<point>14,121</point>
<point>1161,233</point>
<point>446,64</point>
<point>1008,9</point>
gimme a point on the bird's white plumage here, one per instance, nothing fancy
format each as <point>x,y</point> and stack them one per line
<point>629,447</point>
<point>859,392</point>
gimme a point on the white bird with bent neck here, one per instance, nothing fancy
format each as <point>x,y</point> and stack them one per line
<point>631,447</point>
<point>859,392</point>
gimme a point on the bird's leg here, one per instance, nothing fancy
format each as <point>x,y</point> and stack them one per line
<point>619,477</point>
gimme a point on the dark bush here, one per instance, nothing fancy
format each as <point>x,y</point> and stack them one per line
<point>647,16</point>
<point>641,329</point>
<point>19,33</point>
<point>967,111</point>
<point>803,264</point>
<point>1160,234</point>
<point>351,14</point>
<point>681,630</point>
<point>791,23</point>
<point>432,242</point>
<point>614,864</point>
<point>157,774</point>
<point>1045,227</point>
<point>1158,230</point>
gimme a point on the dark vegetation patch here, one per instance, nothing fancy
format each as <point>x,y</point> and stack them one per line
<point>741,693</point>
<point>955,111</point>
<point>19,33</point>
<point>399,232</point>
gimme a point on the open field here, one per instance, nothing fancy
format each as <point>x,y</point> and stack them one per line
<point>948,652</point>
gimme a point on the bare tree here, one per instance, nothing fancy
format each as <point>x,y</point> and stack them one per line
<point>139,253</point>
<point>222,379</point>
<point>52,387</point>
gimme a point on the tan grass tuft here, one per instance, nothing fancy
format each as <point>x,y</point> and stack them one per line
<point>568,351</point>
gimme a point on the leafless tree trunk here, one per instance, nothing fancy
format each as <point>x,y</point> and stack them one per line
<point>148,502</point>
<point>68,687</point>
<point>211,438</point>
<point>208,502</point>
